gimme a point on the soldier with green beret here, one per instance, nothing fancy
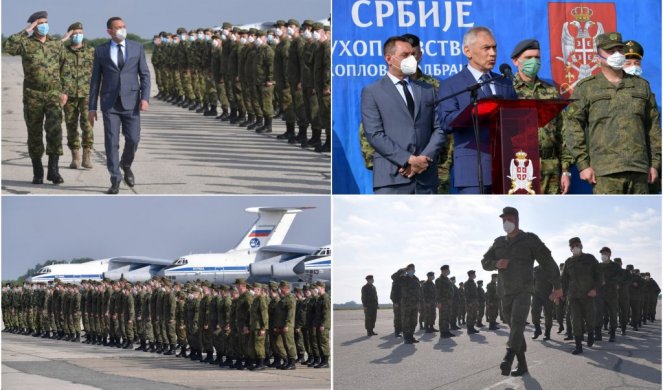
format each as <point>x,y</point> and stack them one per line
<point>612,129</point>
<point>555,159</point>
<point>581,280</point>
<point>43,95</point>
<point>76,72</point>
<point>513,257</point>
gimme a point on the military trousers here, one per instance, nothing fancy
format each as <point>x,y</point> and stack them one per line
<point>230,91</point>
<point>222,94</point>
<point>429,314</point>
<point>636,309</point>
<point>299,341</point>
<point>409,311</point>
<point>606,306</point>
<point>75,114</point>
<point>322,339</point>
<point>481,311</point>
<point>622,183</point>
<point>206,339</point>
<point>472,308</point>
<point>398,321</point>
<point>515,308</point>
<point>582,315</point>
<point>491,310</point>
<point>217,340</point>
<point>313,341</point>
<point>265,95</point>
<point>171,335</point>
<point>370,315</point>
<point>256,345</point>
<point>541,303</point>
<point>559,311</point>
<point>43,114</point>
<point>181,334</point>
<point>312,108</point>
<point>445,315</point>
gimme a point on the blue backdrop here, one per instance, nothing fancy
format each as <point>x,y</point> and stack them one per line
<point>361,26</point>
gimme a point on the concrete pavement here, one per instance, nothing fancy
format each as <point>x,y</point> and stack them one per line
<point>472,362</point>
<point>181,152</point>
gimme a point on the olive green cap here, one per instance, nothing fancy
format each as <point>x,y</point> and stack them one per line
<point>279,23</point>
<point>317,26</point>
<point>574,240</point>
<point>252,31</point>
<point>308,22</point>
<point>326,27</point>
<point>320,284</point>
<point>226,25</point>
<point>609,40</point>
<point>284,283</point>
<point>633,50</point>
<point>75,26</point>
<point>240,281</point>
<point>293,22</point>
<point>260,33</point>
<point>181,30</point>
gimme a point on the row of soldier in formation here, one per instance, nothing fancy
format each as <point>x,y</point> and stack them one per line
<point>247,324</point>
<point>626,297</point>
<point>253,75</point>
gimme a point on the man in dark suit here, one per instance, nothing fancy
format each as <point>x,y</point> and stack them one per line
<point>121,75</point>
<point>399,122</point>
<point>481,50</point>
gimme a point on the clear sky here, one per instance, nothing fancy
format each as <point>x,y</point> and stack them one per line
<point>378,235</point>
<point>39,228</point>
<point>148,17</point>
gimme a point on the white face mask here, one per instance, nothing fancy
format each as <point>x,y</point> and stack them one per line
<point>576,250</point>
<point>605,258</point>
<point>634,70</point>
<point>316,35</point>
<point>251,39</point>
<point>616,60</point>
<point>291,31</point>
<point>278,32</point>
<point>121,34</point>
<point>215,43</point>
<point>409,66</point>
<point>252,292</point>
<point>307,34</point>
<point>242,40</point>
<point>508,226</point>
<point>233,38</point>
<point>259,42</point>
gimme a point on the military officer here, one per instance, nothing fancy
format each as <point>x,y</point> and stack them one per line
<point>634,52</point>
<point>322,324</point>
<point>369,300</point>
<point>409,294</point>
<point>612,129</point>
<point>581,280</point>
<point>43,97</point>
<point>513,257</point>
<point>444,293</point>
<point>555,159</point>
<point>286,328</point>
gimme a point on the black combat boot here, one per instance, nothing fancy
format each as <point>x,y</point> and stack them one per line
<point>78,338</point>
<point>522,365</point>
<point>578,345</point>
<point>289,131</point>
<point>470,329</point>
<point>612,335</point>
<point>67,337</point>
<point>242,364</point>
<point>225,115</point>
<point>507,362</point>
<point>569,336</point>
<point>301,134</point>
<point>537,331</point>
<point>306,362</point>
<point>480,324</point>
<point>159,348</point>
<point>53,169</point>
<point>238,118</point>
<point>129,345</point>
<point>118,343</point>
<point>201,108</point>
<point>560,329</point>
<point>37,171</point>
<point>266,128</point>
<point>324,148</point>
<point>141,347</point>
<point>249,120</point>
<point>260,365</point>
<point>152,348</point>
<point>597,332</point>
<point>212,111</point>
<point>292,364</point>
<point>314,140</point>
<point>590,339</point>
<point>324,363</point>
<point>209,358</point>
<point>546,334</point>
<point>278,363</point>
<point>493,326</point>
<point>256,124</point>
<point>313,361</point>
<point>397,335</point>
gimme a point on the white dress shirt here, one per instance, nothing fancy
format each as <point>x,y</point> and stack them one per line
<point>477,75</point>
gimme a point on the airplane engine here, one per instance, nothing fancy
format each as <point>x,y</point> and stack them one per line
<point>288,269</point>
<point>262,269</point>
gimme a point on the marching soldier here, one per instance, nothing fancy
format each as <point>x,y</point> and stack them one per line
<point>611,274</point>
<point>541,301</point>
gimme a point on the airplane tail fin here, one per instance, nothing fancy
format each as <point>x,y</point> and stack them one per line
<point>271,227</point>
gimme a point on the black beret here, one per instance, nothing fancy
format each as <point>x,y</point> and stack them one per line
<point>37,15</point>
<point>618,260</point>
<point>526,44</point>
<point>409,266</point>
<point>574,240</point>
<point>369,277</point>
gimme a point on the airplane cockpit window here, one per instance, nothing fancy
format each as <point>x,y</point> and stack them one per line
<point>44,270</point>
<point>181,261</point>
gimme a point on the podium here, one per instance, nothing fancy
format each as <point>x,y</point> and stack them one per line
<point>514,139</point>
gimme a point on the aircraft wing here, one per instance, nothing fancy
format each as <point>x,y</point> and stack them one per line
<point>140,260</point>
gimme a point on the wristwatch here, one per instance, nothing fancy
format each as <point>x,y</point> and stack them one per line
<point>566,173</point>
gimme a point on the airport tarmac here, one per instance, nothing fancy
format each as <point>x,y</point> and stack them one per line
<point>471,362</point>
<point>36,363</point>
<point>180,152</point>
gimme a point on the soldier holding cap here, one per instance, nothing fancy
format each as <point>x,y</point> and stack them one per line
<point>612,129</point>
<point>513,257</point>
<point>369,300</point>
<point>555,159</point>
<point>581,280</point>
<point>43,96</point>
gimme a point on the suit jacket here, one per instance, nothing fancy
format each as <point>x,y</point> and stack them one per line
<point>131,84</point>
<point>395,136</point>
<point>465,158</point>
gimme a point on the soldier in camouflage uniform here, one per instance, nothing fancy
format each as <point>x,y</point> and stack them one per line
<point>285,342</point>
<point>471,301</point>
<point>243,321</point>
<point>409,293</point>
<point>322,324</point>
<point>294,71</point>
<point>492,303</point>
<point>180,325</point>
<point>581,280</point>
<point>258,324</point>
<point>308,88</point>
<point>513,257</point>
<point>43,97</point>
<point>224,308</point>
<point>482,303</point>
<point>612,129</point>
<point>216,77</point>
<point>264,81</point>
<point>608,294</point>
<point>128,315</point>
<point>214,326</point>
<point>203,320</point>
<point>322,84</point>
<point>429,301</point>
<point>462,310</point>
<point>76,72</point>
<point>169,306</point>
<point>555,159</point>
<point>444,293</point>
<point>369,300</point>
<point>234,74</point>
<point>225,81</point>
<point>455,306</point>
<point>541,301</point>
<point>300,319</point>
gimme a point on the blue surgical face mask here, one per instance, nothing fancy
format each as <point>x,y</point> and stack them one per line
<point>183,37</point>
<point>270,38</point>
<point>192,38</point>
<point>77,39</point>
<point>42,29</point>
<point>201,36</point>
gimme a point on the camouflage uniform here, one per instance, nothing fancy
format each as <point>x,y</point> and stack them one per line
<point>264,74</point>
<point>492,302</point>
<point>471,302</point>
<point>608,295</point>
<point>581,274</point>
<point>541,301</point>
<point>294,70</point>
<point>429,300</point>
<point>554,157</point>
<point>322,83</point>
<point>369,300</point>
<point>243,311</point>
<point>444,293</point>
<point>616,131</point>
<point>258,324</point>
<point>309,93</point>
<point>42,87</point>
<point>410,291</point>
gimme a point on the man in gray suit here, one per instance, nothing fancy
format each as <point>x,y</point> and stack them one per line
<point>120,73</point>
<point>398,117</point>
